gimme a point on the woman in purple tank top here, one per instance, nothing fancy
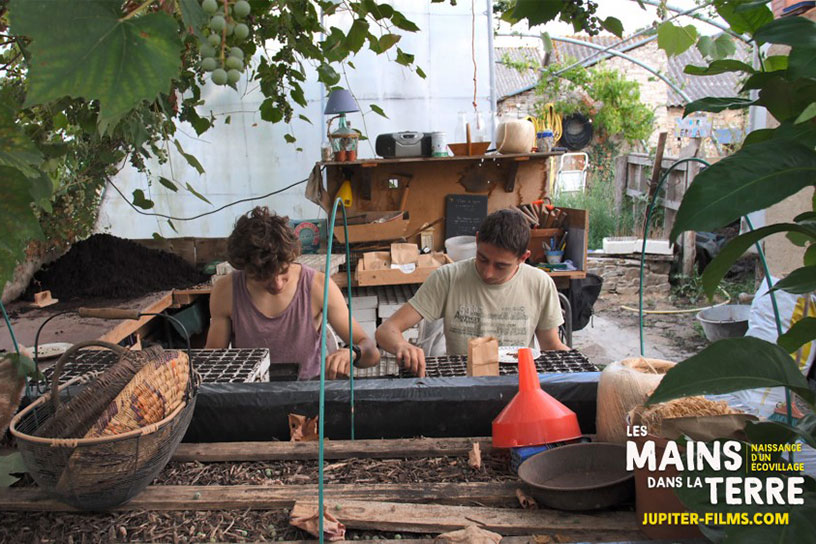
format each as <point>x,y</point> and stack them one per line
<point>270,301</point>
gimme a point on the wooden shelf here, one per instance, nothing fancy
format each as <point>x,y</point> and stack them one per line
<point>491,156</point>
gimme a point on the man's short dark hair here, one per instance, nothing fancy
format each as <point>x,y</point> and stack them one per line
<point>507,229</point>
<point>262,244</point>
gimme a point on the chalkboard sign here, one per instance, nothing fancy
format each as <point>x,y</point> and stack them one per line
<point>464,214</point>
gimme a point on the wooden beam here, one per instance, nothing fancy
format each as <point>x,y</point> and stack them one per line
<point>332,449</point>
<point>271,497</point>
<point>433,518</point>
<point>128,326</point>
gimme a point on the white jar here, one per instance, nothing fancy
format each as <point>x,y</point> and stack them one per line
<point>439,145</point>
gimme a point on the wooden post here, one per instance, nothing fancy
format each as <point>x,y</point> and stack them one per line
<point>689,238</point>
<point>620,181</point>
<point>658,166</point>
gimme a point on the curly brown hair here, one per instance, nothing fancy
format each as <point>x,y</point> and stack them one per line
<point>262,244</point>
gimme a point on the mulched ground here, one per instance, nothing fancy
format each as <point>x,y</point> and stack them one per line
<point>347,471</point>
<point>235,525</point>
<point>104,266</point>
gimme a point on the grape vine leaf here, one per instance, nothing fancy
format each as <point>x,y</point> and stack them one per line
<point>378,110</point>
<point>140,200</point>
<point>167,183</point>
<point>17,220</point>
<point>675,39</point>
<point>197,194</point>
<point>95,54</point>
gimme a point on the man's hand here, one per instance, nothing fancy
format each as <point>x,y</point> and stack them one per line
<point>411,358</point>
<point>338,364</point>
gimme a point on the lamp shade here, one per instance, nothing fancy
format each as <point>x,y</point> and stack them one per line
<point>340,101</point>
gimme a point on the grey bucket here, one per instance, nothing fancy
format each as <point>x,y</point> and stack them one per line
<point>729,321</point>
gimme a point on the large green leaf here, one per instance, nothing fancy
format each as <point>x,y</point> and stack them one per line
<point>769,432</point>
<point>733,250</point>
<point>802,63</point>
<point>716,48</point>
<point>92,53</point>
<point>800,281</point>
<point>193,16</point>
<point>731,365</point>
<point>11,464</point>
<point>719,67</point>
<point>675,39</point>
<point>793,31</point>
<point>744,21</point>
<point>802,332</point>
<point>139,199</point>
<point>751,179</point>
<point>786,100</point>
<point>807,114</point>
<point>613,25</point>
<point>776,62</point>
<point>356,35</point>
<point>18,223</point>
<point>16,148</point>
<point>535,11</point>
<point>717,104</point>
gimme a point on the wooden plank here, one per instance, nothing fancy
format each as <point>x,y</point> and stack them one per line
<point>432,518</point>
<point>271,497</point>
<point>128,326</point>
<point>332,449</point>
<point>371,163</point>
<point>620,181</point>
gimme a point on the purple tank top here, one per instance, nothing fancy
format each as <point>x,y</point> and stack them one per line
<point>291,336</point>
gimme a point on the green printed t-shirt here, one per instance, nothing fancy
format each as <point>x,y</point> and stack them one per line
<point>511,311</point>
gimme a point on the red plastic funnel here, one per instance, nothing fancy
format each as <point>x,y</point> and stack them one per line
<point>533,417</point>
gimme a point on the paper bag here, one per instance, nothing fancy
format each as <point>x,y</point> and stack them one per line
<point>404,254</point>
<point>432,260</point>
<point>376,260</point>
<point>483,356</point>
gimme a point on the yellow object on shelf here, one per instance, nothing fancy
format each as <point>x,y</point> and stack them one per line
<point>344,193</point>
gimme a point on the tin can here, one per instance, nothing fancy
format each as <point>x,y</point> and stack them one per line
<point>439,147</point>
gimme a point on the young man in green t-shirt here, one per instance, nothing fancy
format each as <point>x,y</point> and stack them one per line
<point>493,294</point>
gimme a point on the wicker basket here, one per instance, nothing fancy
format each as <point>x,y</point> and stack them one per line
<point>99,472</point>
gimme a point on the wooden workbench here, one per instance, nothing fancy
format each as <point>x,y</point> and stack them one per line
<point>71,328</point>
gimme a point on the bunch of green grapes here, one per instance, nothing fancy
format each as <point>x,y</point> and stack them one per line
<point>220,54</point>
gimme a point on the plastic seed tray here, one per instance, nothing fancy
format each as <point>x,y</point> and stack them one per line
<point>214,365</point>
<point>549,361</point>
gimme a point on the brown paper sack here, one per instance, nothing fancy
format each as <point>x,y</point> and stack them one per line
<point>404,253</point>
<point>432,260</point>
<point>483,356</point>
<point>376,260</point>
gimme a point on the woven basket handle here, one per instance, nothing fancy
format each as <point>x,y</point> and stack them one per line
<point>119,350</point>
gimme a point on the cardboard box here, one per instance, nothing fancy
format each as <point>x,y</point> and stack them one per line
<point>373,227</point>
<point>374,268</point>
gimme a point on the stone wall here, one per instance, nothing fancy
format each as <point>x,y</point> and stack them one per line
<point>621,274</point>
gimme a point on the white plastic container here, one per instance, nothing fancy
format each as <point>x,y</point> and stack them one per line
<point>460,248</point>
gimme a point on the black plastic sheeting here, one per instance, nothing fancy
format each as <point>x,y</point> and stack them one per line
<point>384,408</point>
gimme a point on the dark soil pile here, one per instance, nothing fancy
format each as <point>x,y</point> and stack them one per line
<point>104,266</point>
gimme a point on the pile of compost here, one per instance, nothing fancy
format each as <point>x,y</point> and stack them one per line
<point>104,266</point>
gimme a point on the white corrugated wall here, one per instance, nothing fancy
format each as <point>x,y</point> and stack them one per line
<point>250,157</point>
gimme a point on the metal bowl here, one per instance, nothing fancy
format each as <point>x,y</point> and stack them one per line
<point>728,321</point>
<point>585,476</point>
